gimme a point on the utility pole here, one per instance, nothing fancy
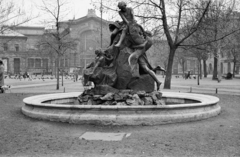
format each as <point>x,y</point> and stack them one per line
<point>101,22</point>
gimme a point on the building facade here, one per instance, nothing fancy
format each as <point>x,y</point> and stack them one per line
<point>226,63</point>
<point>90,33</point>
<point>19,50</point>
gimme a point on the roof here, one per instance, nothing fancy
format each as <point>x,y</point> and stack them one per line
<point>91,15</point>
<point>6,32</point>
<point>29,28</point>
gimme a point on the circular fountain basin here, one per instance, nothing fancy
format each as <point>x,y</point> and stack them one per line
<point>180,107</point>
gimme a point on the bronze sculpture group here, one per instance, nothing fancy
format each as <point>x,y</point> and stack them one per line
<point>124,64</point>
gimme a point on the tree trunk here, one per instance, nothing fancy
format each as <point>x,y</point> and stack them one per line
<point>219,74</point>
<point>200,68</point>
<point>57,72</point>
<point>62,76</point>
<point>183,68</point>
<point>234,67</point>
<point>205,68</point>
<point>214,77</point>
<point>167,83</point>
<point>198,77</point>
<point>75,58</point>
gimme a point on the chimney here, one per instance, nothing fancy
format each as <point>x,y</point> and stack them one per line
<point>91,12</point>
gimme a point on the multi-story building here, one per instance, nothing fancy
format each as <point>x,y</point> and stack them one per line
<point>18,48</point>
<point>21,52</point>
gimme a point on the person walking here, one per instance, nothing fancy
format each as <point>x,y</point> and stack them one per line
<point>75,74</point>
<point>1,75</point>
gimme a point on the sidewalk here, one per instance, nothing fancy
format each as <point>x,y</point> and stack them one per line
<point>207,85</point>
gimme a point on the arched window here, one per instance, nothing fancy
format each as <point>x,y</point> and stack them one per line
<point>37,63</point>
<point>30,62</point>
<point>17,47</point>
<point>5,47</point>
<point>89,41</point>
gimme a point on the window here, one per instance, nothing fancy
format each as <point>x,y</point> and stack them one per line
<point>89,41</point>
<point>5,46</point>
<point>30,62</point>
<point>192,65</point>
<point>66,62</point>
<point>210,55</point>
<point>62,63</point>
<point>188,65</point>
<point>17,47</point>
<point>222,54</point>
<point>37,63</point>
<point>45,63</point>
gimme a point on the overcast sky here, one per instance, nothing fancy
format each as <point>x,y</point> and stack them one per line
<point>78,8</point>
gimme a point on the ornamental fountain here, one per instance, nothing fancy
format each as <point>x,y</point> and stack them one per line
<point>126,89</point>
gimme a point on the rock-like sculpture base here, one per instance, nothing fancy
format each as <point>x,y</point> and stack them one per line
<point>106,95</point>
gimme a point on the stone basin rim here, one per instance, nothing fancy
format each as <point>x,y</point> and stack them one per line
<point>38,100</point>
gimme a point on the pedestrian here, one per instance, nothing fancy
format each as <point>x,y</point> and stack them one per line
<point>1,76</point>
<point>188,75</point>
<point>75,74</point>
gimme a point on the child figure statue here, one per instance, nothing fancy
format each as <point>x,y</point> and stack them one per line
<point>127,16</point>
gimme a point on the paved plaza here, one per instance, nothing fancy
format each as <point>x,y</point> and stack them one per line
<point>206,85</point>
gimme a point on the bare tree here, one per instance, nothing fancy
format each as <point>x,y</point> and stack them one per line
<point>233,53</point>
<point>57,38</point>
<point>179,24</point>
<point>234,43</point>
<point>11,16</point>
<point>217,27</point>
<point>201,54</point>
<point>181,57</point>
<point>200,51</point>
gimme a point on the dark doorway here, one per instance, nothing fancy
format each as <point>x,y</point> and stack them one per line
<point>16,65</point>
